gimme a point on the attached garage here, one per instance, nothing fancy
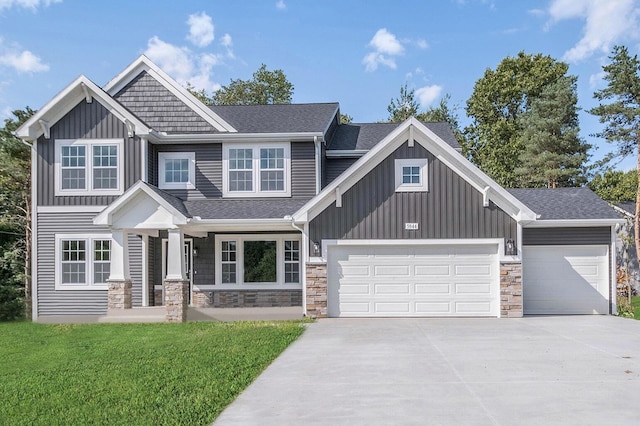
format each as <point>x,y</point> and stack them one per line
<point>417,280</point>
<point>561,279</point>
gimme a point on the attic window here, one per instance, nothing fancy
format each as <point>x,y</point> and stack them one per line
<point>411,175</point>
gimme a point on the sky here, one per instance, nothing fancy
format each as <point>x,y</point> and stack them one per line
<point>357,53</point>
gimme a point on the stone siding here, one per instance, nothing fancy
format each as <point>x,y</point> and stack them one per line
<point>119,294</point>
<point>246,298</point>
<point>511,290</point>
<point>317,290</point>
<point>176,300</point>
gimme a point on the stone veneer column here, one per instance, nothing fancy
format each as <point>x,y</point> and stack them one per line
<point>119,294</point>
<point>511,290</point>
<point>316,290</point>
<point>176,300</point>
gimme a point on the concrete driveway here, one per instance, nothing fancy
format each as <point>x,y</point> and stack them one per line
<point>582,370</point>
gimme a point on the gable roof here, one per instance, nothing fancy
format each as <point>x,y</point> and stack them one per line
<point>144,64</point>
<point>626,207</point>
<point>80,89</point>
<point>415,132</point>
<point>364,136</point>
<point>279,118</point>
<point>565,203</point>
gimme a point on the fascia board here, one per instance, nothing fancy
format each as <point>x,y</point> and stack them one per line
<point>572,223</point>
<point>142,63</point>
<point>345,153</point>
<point>162,138</point>
<point>623,211</point>
<point>239,225</point>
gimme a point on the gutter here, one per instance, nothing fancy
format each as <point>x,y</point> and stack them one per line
<point>572,223</point>
<point>163,138</point>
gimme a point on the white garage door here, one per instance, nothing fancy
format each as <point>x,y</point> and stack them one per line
<point>413,281</point>
<point>565,280</point>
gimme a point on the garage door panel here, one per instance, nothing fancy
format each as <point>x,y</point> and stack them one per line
<point>392,289</point>
<point>432,288</point>
<point>432,270</point>
<point>433,308</point>
<point>402,308</point>
<point>473,270</point>
<point>468,288</point>
<point>473,308</point>
<point>355,270</point>
<point>391,270</point>
<point>351,288</point>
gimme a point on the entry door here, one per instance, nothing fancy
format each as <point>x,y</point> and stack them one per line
<point>188,263</point>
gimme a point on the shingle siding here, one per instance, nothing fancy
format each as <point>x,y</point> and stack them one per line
<point>452,208</point>
<point>76,302</point>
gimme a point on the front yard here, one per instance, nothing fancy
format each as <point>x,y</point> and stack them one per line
<point>132,374</point>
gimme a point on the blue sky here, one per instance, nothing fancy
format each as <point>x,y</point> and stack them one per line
<point>356,53</point>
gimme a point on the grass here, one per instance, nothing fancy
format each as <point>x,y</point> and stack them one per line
<point>635,306</point>
<point>132,374</point>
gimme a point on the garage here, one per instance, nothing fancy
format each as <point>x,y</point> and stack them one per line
<point>566,279</point>
<point>417,280</point>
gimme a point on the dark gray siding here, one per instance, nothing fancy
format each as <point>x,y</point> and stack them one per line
<point>452,208</point>
<point>303,169</point>
<point>160,108</point>
<point>76,302</point>
<point>566,236</point>
<point>88,121</point>
<point>335,167</point>
<point>204,264</point>
<point>208,170</point>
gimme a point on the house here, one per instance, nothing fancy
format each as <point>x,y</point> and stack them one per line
<point>143,196</point>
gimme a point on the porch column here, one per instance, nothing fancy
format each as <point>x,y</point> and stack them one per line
<point>176,285</point>
<point>119,282</point>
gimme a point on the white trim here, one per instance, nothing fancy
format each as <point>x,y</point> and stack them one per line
<point>345,153</point>
<point>144,160</point>
<point>70,209</point>
<point>34,233</point>
<point>176,155</point>
<point>570,223</point>
<point>88,167</point>
<point>165,246</point>
<point>207,138</point>
<point>622,211</point>
<point>89,260</point>
<point>421,163</point>
<point>613,284</point>
<point>240,239</point>
<point>145,272</point>
<point>256,169</point>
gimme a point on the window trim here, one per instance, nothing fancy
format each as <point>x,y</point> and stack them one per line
<point>280,269</point>
<point>88,167</point>
<point>256,169</point>
<point>422,186</point>
<point>89,260</point>
<point>176,155</point>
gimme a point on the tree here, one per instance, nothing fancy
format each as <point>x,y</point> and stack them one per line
<point>499,98</point>
<point>266,87</point>
<point>621,115</point>
<point>403,107</point>
<point>615,185</point>
<point>444,113</point>
<point>346,119</point>
<point>15,220</point>
<point>553,154</point>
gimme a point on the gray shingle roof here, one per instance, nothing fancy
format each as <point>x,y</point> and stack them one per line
<point>366,135</point>
<point>174,201</point>
<point>244,209</point>
<point>565,203</point>
<point>627,206</point>
<point>278,118</point>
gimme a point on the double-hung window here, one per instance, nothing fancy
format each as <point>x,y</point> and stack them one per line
<point>88,167</point>
<point>177,170</point>
<point>82,261</point>
<point>256,170</point>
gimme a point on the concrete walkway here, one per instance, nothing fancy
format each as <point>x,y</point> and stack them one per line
<point>576,370</point>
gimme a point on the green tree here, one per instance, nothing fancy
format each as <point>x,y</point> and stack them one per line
<point>266,87</point>
<point>619,111</point>
<point>346,119</point>
<point>403,107</point>
<point>499,98</point>
<point>15,220</point>
<point>444,113</point>
<point>615,185</point>
<point>553,154</point>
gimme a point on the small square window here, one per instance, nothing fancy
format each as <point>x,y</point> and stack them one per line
<point>177,170</point>
<point>411,175</point>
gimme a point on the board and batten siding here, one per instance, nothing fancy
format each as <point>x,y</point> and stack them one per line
<point>84,121</point>
<point>76,302</point>
<point>566,236</point>
<point>371,209</point>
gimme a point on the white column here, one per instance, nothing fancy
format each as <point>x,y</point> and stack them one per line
<point>175,255</point>
<point>119,255</point>
<point>145,272</point>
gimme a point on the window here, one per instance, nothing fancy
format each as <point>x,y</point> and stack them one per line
<point>82,261</point>
<point>411,175</point>
<point>256,170</point>
<point>177,170</point>
<point>89,167</point>
<point>257,261</point>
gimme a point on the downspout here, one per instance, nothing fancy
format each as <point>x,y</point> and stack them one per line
<point>305,250</point>
<point>318,148</point>
<point>34,233</point>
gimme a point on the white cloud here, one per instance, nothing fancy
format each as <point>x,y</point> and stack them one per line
<point>6,112</point>
<point>200,29</point>
<point>386,47</point>
<point>183,64</point>
<point>227,43</point>
<point>422,44</point>
<point>23,62</point>
<point>427,94</point>
<point>26,4</point>
<point>595,79</point>
<point>280,5</point>
<point>606,23</point>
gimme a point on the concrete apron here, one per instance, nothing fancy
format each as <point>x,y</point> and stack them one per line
<point>529,371</point>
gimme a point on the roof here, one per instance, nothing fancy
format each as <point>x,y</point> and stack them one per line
<point>628,206</point>
<point>244,209</point>
<point>565,203</point>
<point>364,136</point>
<point>279,118</point>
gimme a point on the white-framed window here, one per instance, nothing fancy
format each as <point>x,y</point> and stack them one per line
<point>89,167</point>
<point>82,261</point>
<point>258,261</point>
<point>256,170</point>
<point>411,175</point>
<point>176,170</point>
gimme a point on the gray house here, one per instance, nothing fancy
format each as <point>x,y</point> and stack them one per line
<point>143,196</point>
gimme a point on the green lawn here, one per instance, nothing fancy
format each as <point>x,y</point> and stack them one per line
<point>635,306</point>
<point>131,374</point>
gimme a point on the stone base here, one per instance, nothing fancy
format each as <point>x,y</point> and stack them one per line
<point>176,300</point>
<point>511,290</point>
<point>246,298</point>
<point>317,290</point>
<point>119,294</point>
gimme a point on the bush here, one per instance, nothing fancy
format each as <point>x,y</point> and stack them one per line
<point>625,310</point>
<point>11,303</point>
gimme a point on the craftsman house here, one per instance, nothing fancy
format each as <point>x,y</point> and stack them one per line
<point>144,196</point>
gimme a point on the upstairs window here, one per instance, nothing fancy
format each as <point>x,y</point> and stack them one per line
<point>256,170</point>
<point>89,167</point>
<point>411,175</point>
<point>177,170</point>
